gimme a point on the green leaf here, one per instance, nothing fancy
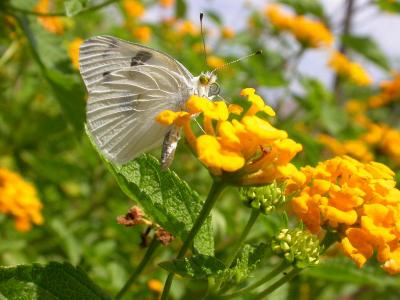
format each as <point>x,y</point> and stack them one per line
<point>180,9</point>
<point>71,245</point>
<point>70,96</point>
<point>166,198</point>
<point>249,258</point>
<point>54,281</point>
<point>368,48</point>
<point>391,6</point>
<point>74,7</point>
<point>333,118</point>
<point>196,267</point>
<point>303,7</point>
<point>213,16</point>
<point>344,270</point>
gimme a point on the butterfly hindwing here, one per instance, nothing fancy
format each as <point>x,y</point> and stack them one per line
<point>129,85</point>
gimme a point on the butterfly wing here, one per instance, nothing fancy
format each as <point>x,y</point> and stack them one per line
<point>101,55</point>
<point>125,97</point>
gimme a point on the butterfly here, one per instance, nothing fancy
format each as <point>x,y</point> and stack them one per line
<point>128,86</point>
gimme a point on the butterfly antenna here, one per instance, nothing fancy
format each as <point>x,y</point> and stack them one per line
<point>202,38</point>
<point>258,52</point>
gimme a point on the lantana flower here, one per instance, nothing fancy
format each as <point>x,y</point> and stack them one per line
<point>360,201</point>
<point>19,199</point>
<point>51,24</point>
<point>238,143</point>
<point>73,51</point>
<point>349,69</point>
<point>310,33</point>
<point>133,8</point>
<point>390,91</point>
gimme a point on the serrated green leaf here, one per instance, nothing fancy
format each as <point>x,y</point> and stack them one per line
<point>344,270</point>
<point>368,48</point>
<point>248,260</point>
<point>180,9</point>
<point>196,267</point>
<point>54,281</point>
<point>166,198</point>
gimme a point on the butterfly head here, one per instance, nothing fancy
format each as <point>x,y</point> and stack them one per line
<point>206,85</point>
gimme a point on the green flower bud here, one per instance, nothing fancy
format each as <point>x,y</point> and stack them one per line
<point>265,198</point>
<point>297,246</point>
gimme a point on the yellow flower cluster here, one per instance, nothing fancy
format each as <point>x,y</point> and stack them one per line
<point>237,141</point>
<point>188,28</point>
<point>309,32</point>
<point>215,62</point>
<point>390,90</point>
<point>376,137</point>
<point>142,33</point>
<point>385,139</point>
<point>51,24</point>
<point>167,3</point>
<point>354,148</point>
<point>360,201</point>
<point>73,51</point>
<point>133,8</point>
<point>19,199</point>
<point>354,71</point>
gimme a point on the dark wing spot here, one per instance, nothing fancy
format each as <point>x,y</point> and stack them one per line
<point>140,58</point>
<point>113,43</point>
<point>106,73</point>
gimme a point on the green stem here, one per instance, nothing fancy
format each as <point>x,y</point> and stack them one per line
<point>253,218</point>
<point>59,14</point>
<point>276,285</point>
<point>146,259</point>
<point>216,189</point>
<point>279,269</point>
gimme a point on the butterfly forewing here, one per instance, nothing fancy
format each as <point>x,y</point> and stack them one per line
<point>129,85</point>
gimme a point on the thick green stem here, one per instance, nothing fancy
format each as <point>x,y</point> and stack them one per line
<point>279,269</point>
<point>276,285</point>
<point>216,189</point>
<point>253,218</point>
<point>146,259</point>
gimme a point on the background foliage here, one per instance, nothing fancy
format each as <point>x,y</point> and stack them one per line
<point>42,138</point>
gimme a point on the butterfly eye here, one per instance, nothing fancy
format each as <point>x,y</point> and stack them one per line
<point>214,89</point>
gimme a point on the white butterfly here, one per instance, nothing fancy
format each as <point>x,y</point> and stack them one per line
<point>129,85</point>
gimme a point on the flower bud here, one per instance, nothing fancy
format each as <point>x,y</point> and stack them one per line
<point>265,198</point>
<point>297,246</point>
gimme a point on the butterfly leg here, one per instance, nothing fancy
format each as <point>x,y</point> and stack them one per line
<point>169,146</point>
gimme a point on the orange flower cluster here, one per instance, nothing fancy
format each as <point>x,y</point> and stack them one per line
<point>142,33</point>
<point>73,51</point>
<point>133,8</point>
<point>360,201</point>
<point>385,139</point>
<point>51,24</point>
<point>167,3</point>
<point>354,71</point>
<point>237,141</point>
<point>354,148</point>
<point>390,91</point>
<point>376,136</point>
<point>309,32</point>
<point>19,199</point>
